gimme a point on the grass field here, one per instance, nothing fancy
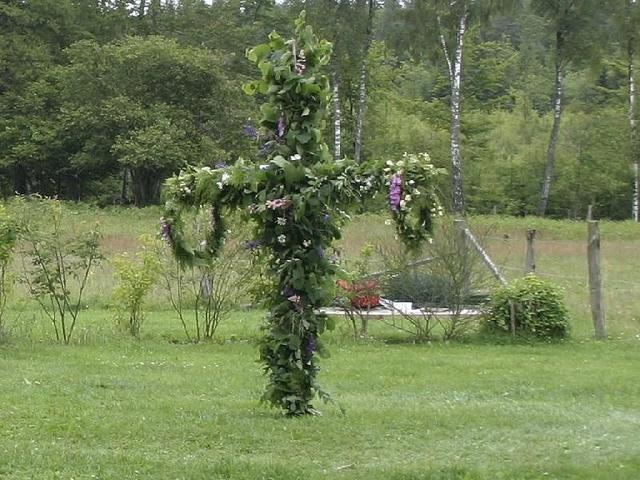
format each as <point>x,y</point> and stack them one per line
<point>109,407</point>
<point>112,408</point>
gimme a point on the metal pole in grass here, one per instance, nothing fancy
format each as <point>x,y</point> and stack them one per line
<point>595,279</point>
<point>530,265</point>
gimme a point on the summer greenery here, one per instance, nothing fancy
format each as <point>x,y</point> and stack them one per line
<point>538,308</point>
<point>295,201</point>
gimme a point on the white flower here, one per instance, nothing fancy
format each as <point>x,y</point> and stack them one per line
<point>416,192</point>
<point>411,182</point>
<point>264,166</point>
<point>407,198</point>
<point>295,157</point>
<point>225,177</point>
<point>282,238</point>
<point>306,243</point>
<point>390,163</point>
<point>281,221</point>
<point>220,185</point>
<point>387,222</point>
<point>403,204</point>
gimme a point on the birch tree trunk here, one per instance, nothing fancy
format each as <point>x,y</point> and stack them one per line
<point>362,100</point>
<point>362,93</point>
<point>555,129</point>
<point>141,9</point>
<point>456,83</point>
<point>633,126</point>
<point>337,118</point>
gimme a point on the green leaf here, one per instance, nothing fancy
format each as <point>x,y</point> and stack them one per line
<point>303,137</point>
<point>280,161</point>
<point>269,112</point>
<point>249,88</point>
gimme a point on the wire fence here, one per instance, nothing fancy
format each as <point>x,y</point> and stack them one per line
<point>565,262</point>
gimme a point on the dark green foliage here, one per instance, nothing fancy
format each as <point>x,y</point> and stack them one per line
<point>294,201</point>
<point>538,305</point>
<point>418,286</point>
<point>102,100</point>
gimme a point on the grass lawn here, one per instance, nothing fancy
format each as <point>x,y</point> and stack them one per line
<point>113,408</point>
<point>108,407</point>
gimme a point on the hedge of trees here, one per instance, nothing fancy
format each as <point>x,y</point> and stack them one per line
<point>529,104</point>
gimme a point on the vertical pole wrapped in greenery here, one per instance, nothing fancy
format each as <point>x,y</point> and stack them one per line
<point>297,222</point>
<point>294,201</point>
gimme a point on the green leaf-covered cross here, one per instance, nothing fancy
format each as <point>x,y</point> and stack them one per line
<point>295,201</point>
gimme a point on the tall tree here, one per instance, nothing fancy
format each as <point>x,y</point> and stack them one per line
<point>362,82</point>
<point>629,23</point>
<point>571,24</point>
<point>450,21</point>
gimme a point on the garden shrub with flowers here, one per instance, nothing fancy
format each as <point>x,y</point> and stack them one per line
<point>296,202</point>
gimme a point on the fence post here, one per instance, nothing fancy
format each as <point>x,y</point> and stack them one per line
<point>595,279</point>
<point>530,265</point>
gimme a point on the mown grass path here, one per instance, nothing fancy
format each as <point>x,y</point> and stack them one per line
<point>121,409</point>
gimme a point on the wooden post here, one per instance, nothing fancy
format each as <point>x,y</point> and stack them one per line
<point>530,264</point>
<point>590,213</point>
<point>595,280</point>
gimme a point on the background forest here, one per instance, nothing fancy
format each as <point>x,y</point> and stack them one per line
<point>101,100</point>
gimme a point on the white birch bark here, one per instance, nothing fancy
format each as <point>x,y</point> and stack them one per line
<point>337,118</point>
<point>633,126</point>
<point>362,101</point>
<point>362,94</point>
<point>555,128</point>
<point>456,83</point>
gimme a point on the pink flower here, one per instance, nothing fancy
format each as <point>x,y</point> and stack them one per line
<point>278,203</point>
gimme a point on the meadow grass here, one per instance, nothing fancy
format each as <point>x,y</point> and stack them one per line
<point>109,407</point>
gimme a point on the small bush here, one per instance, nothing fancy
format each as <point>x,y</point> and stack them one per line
<point>8,237</point>
<point>538,306</point>
<point>419,286</point>
<point>136,276</point>
<point>57,260</point>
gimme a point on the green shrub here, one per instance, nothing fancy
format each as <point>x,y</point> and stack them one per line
<point>421,287</point>
<point>58,259</point>
<point>136,275</point>
<point>538,307</point>
<point>8,236</point>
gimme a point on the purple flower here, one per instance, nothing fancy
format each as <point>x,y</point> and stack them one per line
<point>253,244</point>
<point>250,131</point>
<point>309,346</point>
<point>220,165</point>
<point>281,127</point>
<point>326,217</point>
<point>265,148</point>
<point>288,291</point>
<point>395,191</point>
<point>165,230</point>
